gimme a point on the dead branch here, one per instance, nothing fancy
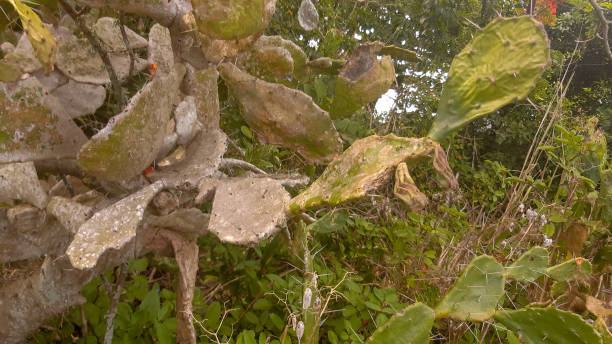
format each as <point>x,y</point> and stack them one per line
<point>114,301</point>
<point>605,26</point>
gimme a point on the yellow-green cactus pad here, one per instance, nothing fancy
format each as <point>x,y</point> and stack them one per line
<point>31,131</point>
<point>500,65</point>
<point>475,295</point>
<point>410,326</point>
<point>531,265</point>
<point>42,40</point>
<point>574,268</point>
<point>548,326</point>
<point>363,79</point>
<point>232,19</point>
<point>406,190</point>
<point>368,164</point>
<point>273,57</point>
<point>283,116</point>
<point>132,139</point>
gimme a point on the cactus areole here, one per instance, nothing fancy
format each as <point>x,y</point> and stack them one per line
<point>499,66</point>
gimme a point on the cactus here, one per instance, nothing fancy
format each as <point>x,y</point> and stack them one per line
<point>531,265</point>
<point>410,326</point>
<point>366,165</point>
<point>272,58</point>
<point>406,190</point>
<point>43,42</point>
<point>130,142</point>
<point>233,19</point>
<point>573,268</point>
<point>548,326</point>
<point>475,295</point>
<point>284,116</point>
<point>499,66</point>
<point>362,80</point>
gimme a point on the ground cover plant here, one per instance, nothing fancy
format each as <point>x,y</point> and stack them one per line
<point>216,171</point>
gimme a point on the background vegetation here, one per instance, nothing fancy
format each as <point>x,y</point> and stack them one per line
<point>372,257</point>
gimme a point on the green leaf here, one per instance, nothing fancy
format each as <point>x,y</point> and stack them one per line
<point>331,222</point>
<point>499,66</point>
<point>213,315</point>
<point>162,334</point>
<point>93,314</point>
<point>138,265</point>
<point>150,305</point>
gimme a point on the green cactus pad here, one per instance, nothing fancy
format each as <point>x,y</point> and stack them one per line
<point>531,265</point>
<point>363,79</point>
<point>284,116</point>
<point>411,326</point>
<point>475,295</point>
<point>548,326</point>
<point>499,66</point>
<point>297,54</point>
<point>232,19</point>
<point>368,164</point>
<point>43,42</point>
<point>574,268</point>
<point>132,139</point>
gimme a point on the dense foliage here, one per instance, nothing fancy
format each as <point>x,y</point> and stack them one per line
<point>531,175</point>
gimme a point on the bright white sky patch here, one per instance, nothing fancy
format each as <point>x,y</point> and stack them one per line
<point>386,102</point>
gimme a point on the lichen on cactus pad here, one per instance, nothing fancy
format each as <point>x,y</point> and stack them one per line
<point>475,295</point>
<point>232,19</point>
<point>368,164</point>
<point>410,326</point>
<point>43,42</point>
<point>531,265</point>
<point>548,326</point>
<point>284,116</point>
<point>500,65</point>
<point>131,140</point>
<point>363,79</point>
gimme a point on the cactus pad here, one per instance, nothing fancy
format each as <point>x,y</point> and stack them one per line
<point>368,164</point>
<point>411,326</point>
<point>575,268</point>
<point>477,292</point>
<point>232,19</point>
<point>548,326</point>
<point>284,116</point>
<point>499,66</point>
<point>43,42</point>
<point>362,80</point>
<point>406,190</point>
<point>531,265</point>
<point>131,140</point>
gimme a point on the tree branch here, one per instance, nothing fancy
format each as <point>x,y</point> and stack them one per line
<point>605,24</point>
<point>126,42</point>
<point>229,163</point>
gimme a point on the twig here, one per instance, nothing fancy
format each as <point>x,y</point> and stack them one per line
<point>83,322</point>
<point>235,145</point>
<point>126,42</point>
<point>605,23</point>
<point>103,54</point>
<point>229,163</point>
<point>114,301</point>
